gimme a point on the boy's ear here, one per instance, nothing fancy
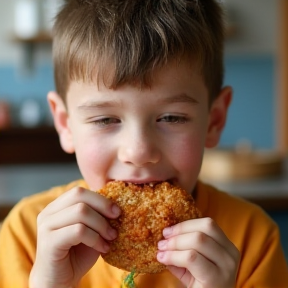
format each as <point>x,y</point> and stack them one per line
<point>217,116</point>
<point>61,123</point>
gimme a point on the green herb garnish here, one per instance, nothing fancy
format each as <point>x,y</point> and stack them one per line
<point>128,282</point>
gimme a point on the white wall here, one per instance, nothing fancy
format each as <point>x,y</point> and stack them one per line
<point>9,52</point>
<point>256,26</point>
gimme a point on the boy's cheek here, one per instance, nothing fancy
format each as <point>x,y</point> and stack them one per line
<point>188,158</point>
<point>93,165</point>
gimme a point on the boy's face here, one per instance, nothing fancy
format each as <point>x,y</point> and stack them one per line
<point>141,135</point>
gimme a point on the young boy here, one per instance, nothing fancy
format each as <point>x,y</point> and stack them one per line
<point>139,97</point>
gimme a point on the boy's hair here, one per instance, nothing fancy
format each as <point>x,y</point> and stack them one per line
<point>123,41</point>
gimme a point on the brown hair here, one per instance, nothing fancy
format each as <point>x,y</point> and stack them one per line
<point>124,40</point>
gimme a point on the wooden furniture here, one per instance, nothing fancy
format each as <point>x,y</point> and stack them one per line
<point>29,46</point>
<point>221,164</point>
<point>40,38</point>
<point>282,105</point>
<point>35,145</point>
<point>267,188</point>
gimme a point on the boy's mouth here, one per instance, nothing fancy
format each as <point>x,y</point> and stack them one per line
<point>151,182</point>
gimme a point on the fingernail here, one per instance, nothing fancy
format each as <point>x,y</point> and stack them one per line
<point>160,256</point>
<point>162,244</point>
<point>112,233</point>
<point>116,210</point>
<point>167,231</point>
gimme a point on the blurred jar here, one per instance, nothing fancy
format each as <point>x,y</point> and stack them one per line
<point>5,117</point>
<point>30,113</point>
<point>26,18</point>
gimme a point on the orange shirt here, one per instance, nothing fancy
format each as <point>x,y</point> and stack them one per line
<point>246,225</point>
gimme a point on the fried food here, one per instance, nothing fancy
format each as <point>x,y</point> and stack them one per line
<point>146,211</point>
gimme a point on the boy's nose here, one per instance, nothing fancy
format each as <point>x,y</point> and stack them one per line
<point>139,151</point>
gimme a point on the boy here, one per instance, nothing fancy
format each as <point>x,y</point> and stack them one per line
<point>139,96</point>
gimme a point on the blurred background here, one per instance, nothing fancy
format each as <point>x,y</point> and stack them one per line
<point>256,134</point>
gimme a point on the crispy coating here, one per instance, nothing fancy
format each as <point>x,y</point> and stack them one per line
<point>146,211</point>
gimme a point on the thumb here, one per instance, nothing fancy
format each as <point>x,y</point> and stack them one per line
<point>183,275</point>
<point>85,258</point>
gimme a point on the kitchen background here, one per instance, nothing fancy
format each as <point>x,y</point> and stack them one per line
<point>26,75</point>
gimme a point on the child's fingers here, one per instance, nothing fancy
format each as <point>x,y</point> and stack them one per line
<point>199,246</point>
<point>79,213</point>
<point>182,274</point>
<point>80,195</point>
<point>207,226</point>
<point>201,243</point>
<point>194,262</point>
<point>63,239</point>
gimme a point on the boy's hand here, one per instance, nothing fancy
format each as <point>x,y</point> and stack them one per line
<point>199,254</point>
<point>72,232</point>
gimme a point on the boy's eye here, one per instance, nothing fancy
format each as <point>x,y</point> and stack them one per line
<point>106,121</point>
<point>173,119</point>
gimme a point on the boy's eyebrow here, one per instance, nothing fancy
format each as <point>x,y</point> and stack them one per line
<point>98,104</point>
<point>183,97</point>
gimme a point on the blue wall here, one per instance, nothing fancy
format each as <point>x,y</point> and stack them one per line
<point>252,111</point>
<point>16,84</point>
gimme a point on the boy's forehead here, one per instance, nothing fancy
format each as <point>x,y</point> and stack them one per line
<point>174,69</point>
<point>174,79</point>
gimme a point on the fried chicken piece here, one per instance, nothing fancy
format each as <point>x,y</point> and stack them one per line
<point>146,211</point>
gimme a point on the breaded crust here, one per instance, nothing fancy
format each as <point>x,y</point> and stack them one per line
<point>146,211</point>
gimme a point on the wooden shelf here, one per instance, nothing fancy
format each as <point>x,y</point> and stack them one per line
<point>29,45</point>
<point>282,66</point>
<point>42,37</point>
<point>37,145</point>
